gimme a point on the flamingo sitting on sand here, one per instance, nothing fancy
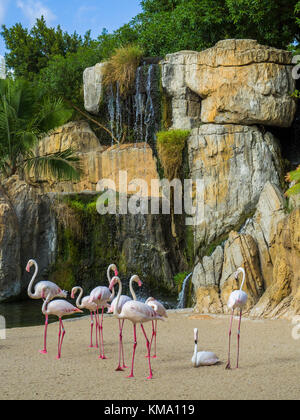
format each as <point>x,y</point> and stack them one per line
<point>102,295</point>
<point>160,310</point>
<point>202,358</point>
<point>137,313</point>
<point>92,307</point>
<point>237,300</point>
<point>59,308</point>
<point>123,299</point>
<point>41,290</point>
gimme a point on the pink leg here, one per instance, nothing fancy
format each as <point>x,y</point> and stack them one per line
<point>101,332</point>
<point>98,331</point>
<point>120,347</point>
<point>239,335</point>
<point>228,366</point>
<point>92,326</point>
<point>155,335</point>
<point>60,340</point>
<point>124,365</point>
<point>44,351</point>
<point>148,348</point>
<point>133,354</point>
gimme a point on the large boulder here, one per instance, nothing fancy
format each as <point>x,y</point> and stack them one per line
<point>234,163</point>
<point>93,88</point>
<point>239,81</point>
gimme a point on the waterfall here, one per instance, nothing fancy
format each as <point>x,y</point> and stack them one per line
<point>149,109</point>
<point>111,110</point>
<point>182,294</point>
<point>118,114</point>
<point>139,108</point>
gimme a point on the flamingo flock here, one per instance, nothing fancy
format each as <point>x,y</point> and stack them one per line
<point>123,308</point>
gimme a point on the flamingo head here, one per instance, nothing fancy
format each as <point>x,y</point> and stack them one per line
<point>237,273</point>
<point>115,270</point>
<point>74,290</point>
<point>113,282</point>
<point>137,280</point>
<point>29,265</point>
<point>196,335</point>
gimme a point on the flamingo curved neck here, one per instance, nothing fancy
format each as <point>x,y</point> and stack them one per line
<point>241,270</point>
<point>44,307</point>
<point>109,280</point>
<point>195,353</point>
<point>116,313</point>
<point>78,304</point>
<point>30,293</point>
<point>131,289</point>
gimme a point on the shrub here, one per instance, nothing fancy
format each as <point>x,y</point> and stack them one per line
<point>295,178</point>
<point>170,145</point>
<point>121,68</point>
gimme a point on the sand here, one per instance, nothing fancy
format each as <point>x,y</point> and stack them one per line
<point>269,363</point>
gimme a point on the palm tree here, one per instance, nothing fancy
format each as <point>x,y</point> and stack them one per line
<point>25,118</point>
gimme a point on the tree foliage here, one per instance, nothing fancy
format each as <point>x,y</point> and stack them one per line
<point>25,117</point>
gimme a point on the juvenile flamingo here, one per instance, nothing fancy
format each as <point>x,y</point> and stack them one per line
<point>237,300</point>
<point>84,304</point>
<point>160,310</point>
<point>41,290</point>
<point>202,358</point>
<point>59,308</point>
<point>137,313</point>
<point>102,295</point>
<point>123,299</point>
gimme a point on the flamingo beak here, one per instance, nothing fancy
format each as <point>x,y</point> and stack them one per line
<point>116,273</point>
<point>140,283</point>
<point>28,268</point>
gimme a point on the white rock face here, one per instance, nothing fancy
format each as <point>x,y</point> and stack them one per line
<point>93,89</point>
<point>234,162</point>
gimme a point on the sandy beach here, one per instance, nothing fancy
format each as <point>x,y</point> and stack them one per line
<point>269,363</point>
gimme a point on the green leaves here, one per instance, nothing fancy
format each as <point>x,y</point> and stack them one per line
<point>26,117</point>
<point>293,177</point>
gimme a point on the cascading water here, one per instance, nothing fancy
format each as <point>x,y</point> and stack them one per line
<point>118,114</point>
<point>183,293</point>
<point>139,106</point>
<point>111,109</point>
<point>149,109</point>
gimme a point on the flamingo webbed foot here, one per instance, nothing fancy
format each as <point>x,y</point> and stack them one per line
<point>43,351</point>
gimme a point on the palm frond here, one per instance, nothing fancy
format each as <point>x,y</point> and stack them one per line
<point>60,166</point>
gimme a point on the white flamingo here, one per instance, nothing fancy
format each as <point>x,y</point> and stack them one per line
<point>137,313</point>
<point>59,308</point>
<point>202,358</point>
<point>237,300</point>
<point>41,290</point>
<point>85,304</point>
<point>123,299</point>
<point>102,295</point>
<point>160,310</point>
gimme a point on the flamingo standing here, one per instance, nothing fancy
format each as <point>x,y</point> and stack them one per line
<point>137,313</point>
<point>123,299</point>
<point>41,290</point>
<point>59,308</point>
<point>160,310</point>
<point>237,300</point>
<point>84,304</point>
<point>202,358</point>
<point>101,295</point>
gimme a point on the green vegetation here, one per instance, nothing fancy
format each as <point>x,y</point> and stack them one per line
<point>294,177</point>
<point>179,279</point>
<point>121,68</point>
<point>25,117</point>
<point>170,145</point>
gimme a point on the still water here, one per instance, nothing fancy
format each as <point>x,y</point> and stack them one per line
<point>28,313</point>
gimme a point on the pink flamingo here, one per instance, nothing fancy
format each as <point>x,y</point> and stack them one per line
<point>137,313</point>
<point>237,300</point>
<point>41,290</point>
<point>92,307</point>
<point>123,299</point>
<point>160,310</point>
<point>101,295</point>
<point>59,308</point>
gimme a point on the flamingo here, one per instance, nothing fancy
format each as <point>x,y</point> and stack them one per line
<point>160,310</point>
<point>137,313</point>
<point>123,299</point>
<point>92,307</point>
<point>237,300</point>
<point>202,358</point>
<point>59,308</point>
<point>41,290</point>
<point>101,295</point>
